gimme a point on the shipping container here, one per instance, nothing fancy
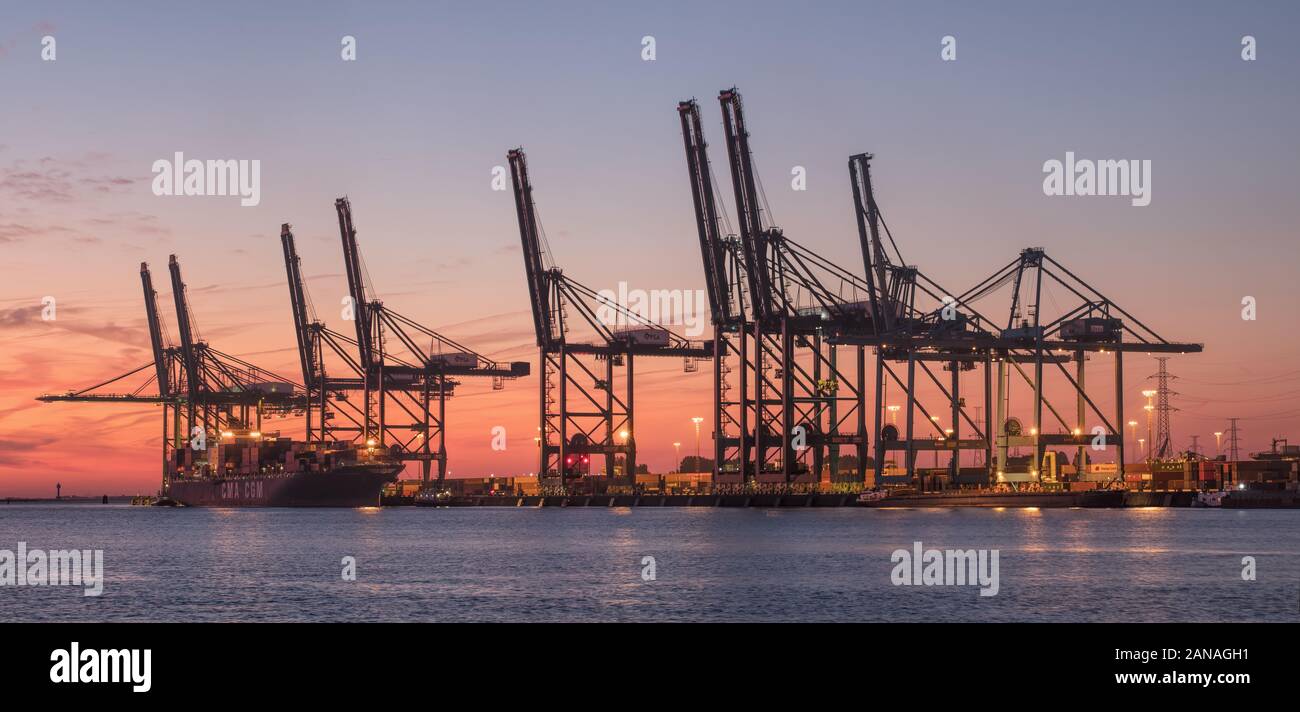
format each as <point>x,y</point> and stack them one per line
<point>1092,328</point>
<point>642,336</point>
<point>454,359</point>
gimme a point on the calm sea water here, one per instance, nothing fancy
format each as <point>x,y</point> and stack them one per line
<point>710,564</point>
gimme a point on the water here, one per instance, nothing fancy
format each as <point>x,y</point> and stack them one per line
<point>507,564</point>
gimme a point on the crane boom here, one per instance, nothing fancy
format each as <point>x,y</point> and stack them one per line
<point>298,301</point>
<point>745,187</point>
<point>706,213</point>
<point>874,259</point>
<point>529,234</point>
<point>189,354</point>
<point>155,330</point>
<point>356,282</point>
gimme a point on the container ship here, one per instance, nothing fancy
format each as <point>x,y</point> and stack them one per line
<point>248,468</point>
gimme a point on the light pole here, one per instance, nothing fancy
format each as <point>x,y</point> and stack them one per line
<point>893,413</point>
<point>1149,407</point>
<point>677,447</point>
<point>1133,425</point>
<point>697,420</point>
<point>1217,436</point>
<point>623,434</point>
<point>935,419</point>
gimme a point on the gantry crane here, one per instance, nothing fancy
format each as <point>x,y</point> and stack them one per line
<point>602,421</point>
<point>166,365</point>
<point>1084,323</point>
<point>726,286</point>
<point>950,330</point>
<point>779,305</point>
<point>223,392</point>
<point>203,391</point>
<point>403,390</point>
<point>916,322</point>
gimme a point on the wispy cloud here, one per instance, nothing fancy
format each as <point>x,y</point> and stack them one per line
<point>60,180</point>
<point>27,318</point>
<point>34,185</point>
<point>16,232</point>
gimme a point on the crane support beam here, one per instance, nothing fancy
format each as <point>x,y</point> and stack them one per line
<point>156,337</point>
<point>189,350</point>
<point>298,302</point>
<point>539,287</point>
<point>356,281</point>
<point>712,246</point>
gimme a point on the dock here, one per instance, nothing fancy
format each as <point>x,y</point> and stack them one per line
<point>649,500</point>
<point>1094,499</point>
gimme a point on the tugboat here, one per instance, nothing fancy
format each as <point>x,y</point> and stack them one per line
<point>248,468</point>
<point>872,496</point>
<point>1209,499</point>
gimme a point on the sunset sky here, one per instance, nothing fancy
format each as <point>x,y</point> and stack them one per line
<point>412,129</point>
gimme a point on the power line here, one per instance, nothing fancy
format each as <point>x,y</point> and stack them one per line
<point>1285,376</point>
<point>1232,439</point>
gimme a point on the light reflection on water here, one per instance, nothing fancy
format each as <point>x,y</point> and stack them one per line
<point>511,564</point>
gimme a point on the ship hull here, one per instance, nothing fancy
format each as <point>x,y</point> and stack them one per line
<point>341,487</point>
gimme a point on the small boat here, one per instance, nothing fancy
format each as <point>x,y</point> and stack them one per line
<point>432,497</point>
<point>872,496</point>
<point>1209,499</point>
